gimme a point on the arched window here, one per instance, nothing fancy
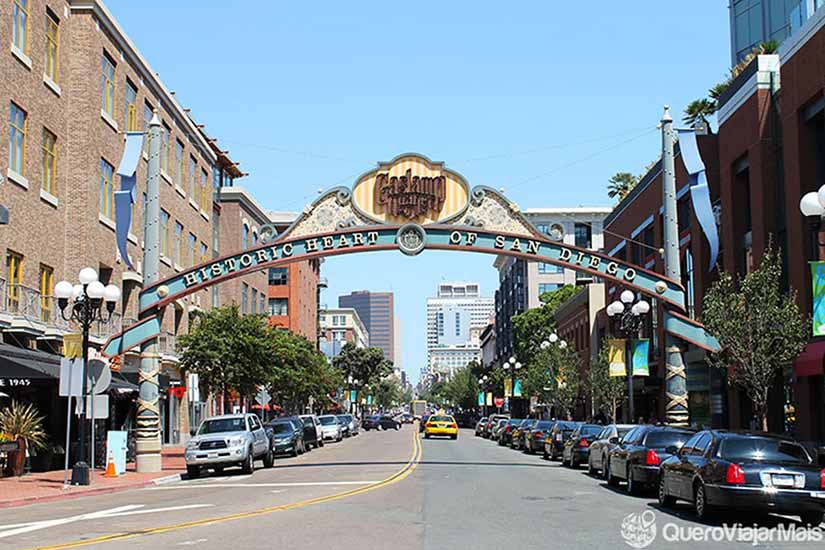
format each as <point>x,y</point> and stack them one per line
<point>245,237</point>
<point>254,238</point>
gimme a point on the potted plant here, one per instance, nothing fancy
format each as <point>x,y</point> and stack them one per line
<point>21,422</point>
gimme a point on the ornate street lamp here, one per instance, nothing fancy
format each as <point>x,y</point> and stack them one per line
<point>83,304</point>
<point>812,206</point>
<point>627,317</point>
<point>554,340</point>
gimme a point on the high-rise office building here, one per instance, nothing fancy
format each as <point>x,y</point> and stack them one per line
<point>455,318</point>
<point>753,22</point>
<point>376,310</point>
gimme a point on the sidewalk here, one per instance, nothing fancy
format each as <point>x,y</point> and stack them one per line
<point>48,486</point>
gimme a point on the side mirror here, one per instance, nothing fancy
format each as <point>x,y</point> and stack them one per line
<point>673,450</point>
<point>614,440</point>
<point>192,432</point>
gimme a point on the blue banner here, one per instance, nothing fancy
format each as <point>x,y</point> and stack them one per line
<point>641,351</point>
<point>517,389</point>
<point>125,198</point>
<point>699,191</point>
<point>818,297</point>
<point>481,399</point>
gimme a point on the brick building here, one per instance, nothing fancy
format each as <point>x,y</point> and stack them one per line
<point>338,327</point>
<point>74,83</point>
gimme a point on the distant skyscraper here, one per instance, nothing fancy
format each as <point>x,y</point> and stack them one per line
<point>455,318</point>
<point>376,311</point>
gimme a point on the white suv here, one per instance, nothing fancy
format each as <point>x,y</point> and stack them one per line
<point>228,440</point>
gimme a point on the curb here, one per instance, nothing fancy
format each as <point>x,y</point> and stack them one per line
<point>90,492</point>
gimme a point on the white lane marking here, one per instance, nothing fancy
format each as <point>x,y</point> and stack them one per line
<point>191,542</point>
<point>233,485</point>
<point>277,491</point>
<point>11,530</point>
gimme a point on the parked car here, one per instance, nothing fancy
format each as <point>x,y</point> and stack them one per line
<point>479,425</point>
<point>554,442</point>
<point>605,442</point>
<point>498,428</point>
<point>534,437</point>
<point>576,450</point>
<point>744,471</point>
<point>441,425</point>
<point>423,422</point>
<point>380,422</point>
<point>345,425</point>
<point>506,435</point>
<point>492,421</point>
<point>517,437</point>
<point>228,440</point>
<point>331,428</point>
<point>312,431</point>
<point>637,457</point>
<point>353,424</point>
<point>287,435</point>
<point>405,418</point>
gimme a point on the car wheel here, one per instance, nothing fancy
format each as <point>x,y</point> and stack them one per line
<point>454,437</point>
<point>397,427</point>
<point>573,463</point>
<point>700,502</point>
<point>605,471</point>
<point>426,435</point>
<point>269,459</point>
<point>612,480</point>
<point>248,465</point>
<point>544,455</point>
<point>632,486</point>
<point>528,449</point>
<point>590,469</point>
<point>665,499</point>
<point>218,470</point>
<point>193,472</point>
<point>812,519</point>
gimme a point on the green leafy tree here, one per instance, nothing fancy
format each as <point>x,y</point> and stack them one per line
<point>621,184</point>
<point>462,389</point>
<point>300,372</point>
<point>606,392</point>
<point>699,110</point>
<point>367,365</point>
<point>761,329</point>
<point>229,351</point>
<point>534,326</point>
<point>387,393</point>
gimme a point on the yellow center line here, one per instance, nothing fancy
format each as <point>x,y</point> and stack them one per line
<point>401,474</point>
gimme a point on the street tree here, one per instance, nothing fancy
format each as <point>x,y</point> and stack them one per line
<point>387,392</point>
<point>228,351</point>
<point>534,326</point>
<point>367,365</point>
<point>606,392</point>
<point>699,110</point>
<point>620,184</point>
<point>760,328</point>
<point>462,389</point>
<point>300,373</point>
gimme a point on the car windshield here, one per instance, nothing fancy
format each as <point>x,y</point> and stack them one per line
<point>328,420</point>
<point>662,439</point>
<point>441,419</point>
<point>763,449</point>
<point>219,425</point>
<point>282,427</point>
<point>621,431</point>
<point>542,424</point>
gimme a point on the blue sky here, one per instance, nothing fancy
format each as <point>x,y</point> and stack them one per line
<point>545,99</point>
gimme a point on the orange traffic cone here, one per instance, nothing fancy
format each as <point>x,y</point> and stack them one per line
<point>110,465</point>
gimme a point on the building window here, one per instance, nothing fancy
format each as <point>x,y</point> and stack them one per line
<point>17,139</point>
<point>164,233</point>
<point>278,276</point>
<point>165,136</point>
<point>191,244</point>
<point>107,100</point>
<point>20,25</point>
<point>254,301</point>
<point>263,303</point>
<point>548,269</point>
<point>178,244</point>
<point>46,285</point>
<point>107,190</point>
<point>278,306</point>
<point>131,107</point>
<point>244,294</point>
<point>14,269</point>
<point>583,234</point>
<point>147,118</point>
<point>179,163</point>
<point>52,43</point>
<point>245,236</point>
<point>254,238</point>
<point>49,162</point>
<point>204,253</point>
<point>193,178</point>
<point>205,191</point>
<point>547,287</point>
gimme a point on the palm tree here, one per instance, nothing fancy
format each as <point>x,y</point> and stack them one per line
<point>698,111</point>
<point>621,184</point>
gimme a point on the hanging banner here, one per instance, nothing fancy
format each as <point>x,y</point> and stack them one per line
<point>353,395</point>
<point>489,399</point>
<point>615,357</point>
<point>72,346</point>
<point>481,399</point>
<point>517,389</point>
<point>699,191</point>
<point>818,298</point>
<point>641,350</point>
<point>508,387</point>
<point>125,198</point>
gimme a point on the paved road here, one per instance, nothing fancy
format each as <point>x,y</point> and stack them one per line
<point>378,490</point>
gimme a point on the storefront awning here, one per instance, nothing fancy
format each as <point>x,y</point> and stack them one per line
<point>20,367</point>
<point>811,362</point>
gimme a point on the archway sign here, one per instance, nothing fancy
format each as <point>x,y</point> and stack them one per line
<point>410,204</point>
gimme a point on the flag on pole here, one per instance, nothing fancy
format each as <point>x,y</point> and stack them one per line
<point>616,360</point>
<point>508,387</point>
<point>818,298</point>
<point>481,399</point>
<point>125,198</point>
<point>489,399</point>
<point>641,350</point>
<point>517,389</point>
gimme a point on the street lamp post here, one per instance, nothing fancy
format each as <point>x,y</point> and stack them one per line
<point>483,383</point>
<point>812,206</point>
<point>554,340</point>
<point>515,366</point>
<point>628,317</point>
<point>82,303</point>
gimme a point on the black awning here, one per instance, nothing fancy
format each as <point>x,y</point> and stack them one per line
<point>14,370</point>
<point>22,364</point>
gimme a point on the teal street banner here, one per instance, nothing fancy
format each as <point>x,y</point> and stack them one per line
<point>641,350</point>
<point>481,399</point>
<point>818,295</point>
<point>352,395</point>
<point>125,198</point>
<point>517,389</point>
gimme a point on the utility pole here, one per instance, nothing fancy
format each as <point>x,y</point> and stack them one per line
<point>676,411</point>
<point>148,418</point>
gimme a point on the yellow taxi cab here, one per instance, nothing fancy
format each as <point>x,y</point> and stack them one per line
<point>441,424</point>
